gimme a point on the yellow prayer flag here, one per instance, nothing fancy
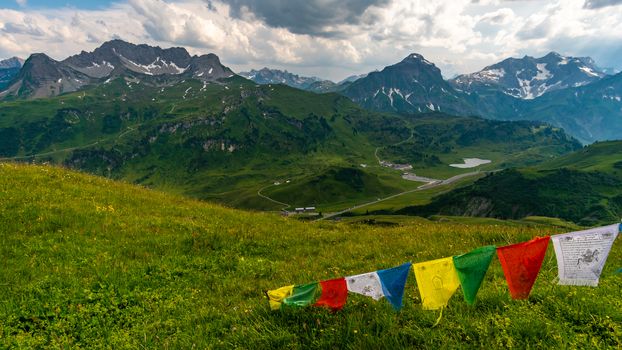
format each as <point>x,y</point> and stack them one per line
<point>276,296</point>
<point>437,281</point>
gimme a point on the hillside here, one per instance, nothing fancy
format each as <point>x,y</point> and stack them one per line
<point>226,140</point>
<point>584,187</point>
<point>438,140</point>
<point>210,140</point>
<point>93,263</point>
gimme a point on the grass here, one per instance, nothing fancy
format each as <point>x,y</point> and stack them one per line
<point>93,263</point>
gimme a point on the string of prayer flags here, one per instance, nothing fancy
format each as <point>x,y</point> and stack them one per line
<point>437,281</point>
<point>276,296</point>
<point>334,294</point>
<point>581,255</point>
<point>394,282</point>
<point>521,264</point>
<point>471,269</point>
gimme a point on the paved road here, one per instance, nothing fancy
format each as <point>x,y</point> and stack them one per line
<point>420,188</point>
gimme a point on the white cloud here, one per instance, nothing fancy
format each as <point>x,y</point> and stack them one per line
<point>21,3</point>
<point>458,35</point>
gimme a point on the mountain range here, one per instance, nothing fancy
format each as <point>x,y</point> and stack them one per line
<point>568,92</point>
<point>203,131</point>
<point>529,77</point>
<point>42,76</point>
<point>275,76</point>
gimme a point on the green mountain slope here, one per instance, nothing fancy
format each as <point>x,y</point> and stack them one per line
<point>194,138</point>
<point>333,186</point>
<point>226,140</point>
<point>92,263</point>
<point>584,187</point>
<point>439,139</point>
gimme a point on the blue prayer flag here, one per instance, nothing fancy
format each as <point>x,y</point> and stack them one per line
<point>393,282</point>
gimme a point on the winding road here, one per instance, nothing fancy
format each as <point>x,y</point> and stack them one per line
<point>420,188</point>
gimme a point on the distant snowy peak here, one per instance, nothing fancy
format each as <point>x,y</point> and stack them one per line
<point>42,76</point>
<point>530,77</point>
<point>117,56</point>
<point>276,76</point>
<point>413,85</point>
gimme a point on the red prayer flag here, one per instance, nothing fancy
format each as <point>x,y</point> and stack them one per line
<point>334,294</point>
<point>521,264</point>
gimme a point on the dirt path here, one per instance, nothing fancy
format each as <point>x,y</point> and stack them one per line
<point>130,129</point>
<point>285,205</point>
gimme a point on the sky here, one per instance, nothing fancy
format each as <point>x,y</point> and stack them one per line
<point>331,39</point>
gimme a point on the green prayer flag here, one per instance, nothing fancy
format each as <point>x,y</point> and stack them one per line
<point>303,295</point>
<point>471,268</point>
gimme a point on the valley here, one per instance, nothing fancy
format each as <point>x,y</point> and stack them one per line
<point>312,174</point>
<point>227,139</point>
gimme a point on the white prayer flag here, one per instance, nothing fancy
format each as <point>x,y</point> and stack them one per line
<point>581,255</point>
<point>367,284</point>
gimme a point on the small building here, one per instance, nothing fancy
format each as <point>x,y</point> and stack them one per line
<point>310,209</point>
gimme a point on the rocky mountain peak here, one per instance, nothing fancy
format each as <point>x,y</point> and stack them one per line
<point>114,58</point>
<point>411,85</point>
<point>416,58</point>
<point>13,62</point>
<point>530,77</point>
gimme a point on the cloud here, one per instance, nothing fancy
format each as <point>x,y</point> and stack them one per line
<point>499,17</point>
<point>332,41</point>
<point>314,17</point>
<point>171,23</point>
<point>596,4</point>
<point>21,3</point>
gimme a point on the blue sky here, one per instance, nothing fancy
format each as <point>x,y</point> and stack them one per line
<point>325,38</point>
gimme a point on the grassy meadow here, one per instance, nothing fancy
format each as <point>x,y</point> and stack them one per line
<point>92,263</point>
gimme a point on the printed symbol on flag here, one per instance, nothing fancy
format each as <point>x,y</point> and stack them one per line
<point>437,281</point>
<point>367,289</point>
<point>588,257</point>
